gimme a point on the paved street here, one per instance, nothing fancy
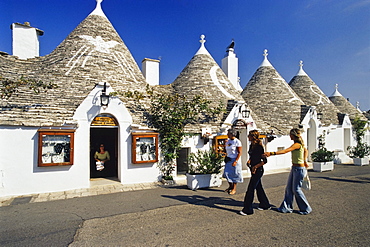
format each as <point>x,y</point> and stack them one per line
<point>177,216</point>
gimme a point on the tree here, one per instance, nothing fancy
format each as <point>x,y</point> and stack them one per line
<point>361,149</point>
<point>169,114</point>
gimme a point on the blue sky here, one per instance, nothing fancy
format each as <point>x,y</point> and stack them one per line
<point>332,37</point>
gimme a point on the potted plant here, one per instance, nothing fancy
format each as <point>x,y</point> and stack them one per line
<point>359,152</point>
<point>322,160</point>
<point>204,169</point>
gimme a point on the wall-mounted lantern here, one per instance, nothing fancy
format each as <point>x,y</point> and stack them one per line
<point>319,116</point>
<point>246,113</point>
<point>104,97</point>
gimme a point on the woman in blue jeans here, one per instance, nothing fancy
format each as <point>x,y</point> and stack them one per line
<point>297,173</point>
<point>233,166</point>
<point>255,163</point>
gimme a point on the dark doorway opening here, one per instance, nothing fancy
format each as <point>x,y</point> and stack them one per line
<point>108,137</point>
<point>182,161</point>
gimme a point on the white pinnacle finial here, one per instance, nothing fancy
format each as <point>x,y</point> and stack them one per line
<point>202,40</point>
<point>202,49</point>
<point>265,60</point>
<point>265,54</point>
<point>301,71</point>
<point>336,92</point>
<point>98,10</point>
<point>358,106</point>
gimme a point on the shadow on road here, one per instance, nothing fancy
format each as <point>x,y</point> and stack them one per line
<point>212,202</point>
<point>364,180</point>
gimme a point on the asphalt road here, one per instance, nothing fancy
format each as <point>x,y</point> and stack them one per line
<point>177,216</point>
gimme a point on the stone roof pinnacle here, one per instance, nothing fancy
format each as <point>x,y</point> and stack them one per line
<point>98,10</point>
<point>301,71</point>
<point>265,62</point>
<point>202,49</point>
<point>336,92</point>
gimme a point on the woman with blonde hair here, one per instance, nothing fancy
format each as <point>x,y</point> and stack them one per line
<point>297,173</point>
<point>255,164</point>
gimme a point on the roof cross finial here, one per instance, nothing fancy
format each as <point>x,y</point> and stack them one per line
<point>202,49</point>
<point>265,54</point>
<point>202,40</point>
<point>336,92</point>
<point>98,10</point>
<point>265,60</point>
<point>301,71</point>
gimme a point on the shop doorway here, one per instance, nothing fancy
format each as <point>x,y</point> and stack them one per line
<point>102,133</point>
<point>182,161</point>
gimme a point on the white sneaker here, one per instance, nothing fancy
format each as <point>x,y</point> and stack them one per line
<point>263,208</point>
<point>242,213</point>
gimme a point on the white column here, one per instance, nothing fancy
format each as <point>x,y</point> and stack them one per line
<point>150,68</point>
<point>25,40</point>
<point>230,68</point>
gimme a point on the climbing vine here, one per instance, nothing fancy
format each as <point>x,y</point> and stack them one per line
<point>170,114</point>
<point>9,87</point>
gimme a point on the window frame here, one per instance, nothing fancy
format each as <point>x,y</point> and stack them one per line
<point>55,132</point>
<point>219,144</point>
<point>135,146</point>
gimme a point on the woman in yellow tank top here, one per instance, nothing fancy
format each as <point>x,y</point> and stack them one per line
<point>297,173</point>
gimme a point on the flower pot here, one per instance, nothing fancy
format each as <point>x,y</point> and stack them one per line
<point>323,166</point>
<point>361,161</point>
<point>168,181</point>
<point>203,181</point>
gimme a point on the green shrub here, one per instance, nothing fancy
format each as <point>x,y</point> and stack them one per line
<point>322,155</point>
<point>205,162</point>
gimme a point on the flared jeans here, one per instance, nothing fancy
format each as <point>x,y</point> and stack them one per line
<point>294,190</point>
<point>255,184</point>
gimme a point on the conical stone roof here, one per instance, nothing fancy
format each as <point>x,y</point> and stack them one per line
<point>344,106</point>
<point>93,52</point>
<point>312,95</point>
<point>202,75</point>
<point>272,100</point>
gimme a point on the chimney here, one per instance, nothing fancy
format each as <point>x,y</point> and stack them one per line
<point>25,40</point>
<point>150,69</point>
<point>230,66</point>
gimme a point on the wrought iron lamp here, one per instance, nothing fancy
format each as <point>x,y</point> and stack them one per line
<point>246,113</point>
<point>319,116</point>
<point>104,97</point>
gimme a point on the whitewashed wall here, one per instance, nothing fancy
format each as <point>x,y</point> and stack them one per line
<point>128,173</point>
<point>20,174</point>
<point>278,162</point>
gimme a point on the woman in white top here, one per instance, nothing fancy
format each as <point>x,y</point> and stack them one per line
<point>233,166</point>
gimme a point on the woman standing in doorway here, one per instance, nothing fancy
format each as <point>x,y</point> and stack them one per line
<point>101,156</point>
<point>297,173</point>
<point>233,166</point>
<point>255,163</point>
